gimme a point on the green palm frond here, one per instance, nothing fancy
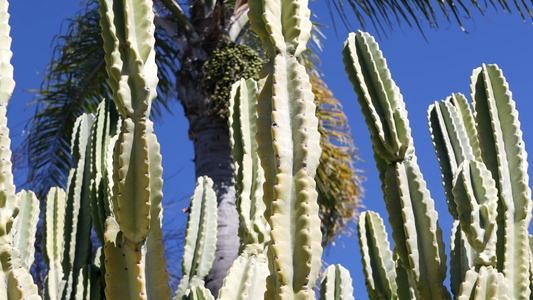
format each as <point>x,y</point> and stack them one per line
<point>74,83</point>
<point>339,183</point>
<point>384,15</point>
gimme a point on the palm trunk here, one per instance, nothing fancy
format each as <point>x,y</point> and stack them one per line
<point>210,134</point>
<point>213,158</point>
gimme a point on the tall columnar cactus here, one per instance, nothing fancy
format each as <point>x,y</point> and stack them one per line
<point>103,130</point>
<point>68,215</point>
<point>68,223</point>
<point>484,172</point>
<point>417,235</point>
<point>200,238</point>
<point>378,263</point>
<point>17,212</point>
<point>134,249</point>
<point>247,276</point>
<point>289,148</point>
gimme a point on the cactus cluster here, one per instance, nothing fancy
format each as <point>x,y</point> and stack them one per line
<point>117,177</point>
<point>484,173</point>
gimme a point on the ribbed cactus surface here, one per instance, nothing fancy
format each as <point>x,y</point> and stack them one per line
<point>484,172</point>
<point>200,237</point>
<point>336,284</point>
<point>17,212</point>
<point>133,236</point>
<point>289,149</point>
<point>416,233</point>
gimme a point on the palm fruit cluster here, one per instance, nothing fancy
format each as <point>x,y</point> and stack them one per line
<point>229,63</point>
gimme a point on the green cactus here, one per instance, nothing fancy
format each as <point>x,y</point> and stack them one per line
<point>199,293</point>
<point>247,276</point>
<point>378,264</point>
<point>24,229</point>
<point>336,284</point>
<point>249,176</point>
<point>17,212</point>
<point>482,159</point>
<point>133,249</point>
<point>102,131</point>
<point>416,233</point>
<point>200,239</point>
<point>68,224</point>
<point>487,283</point>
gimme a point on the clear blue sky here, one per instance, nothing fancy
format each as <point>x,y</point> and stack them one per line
<point>424,71</point>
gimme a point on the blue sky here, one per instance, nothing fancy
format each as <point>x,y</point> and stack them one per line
<point>425,71</point>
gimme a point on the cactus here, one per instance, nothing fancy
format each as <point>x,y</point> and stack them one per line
<point>246,277</point>
<point>417,236</point>
<point>201,236</point>
<point>482,158</point>
<point>68,224</point>
<point>133,240</point>
<point>336,284</point>
<point>24,228</point>
<point>378,263</point>
<point>288,146</point>
<point>17,212</point>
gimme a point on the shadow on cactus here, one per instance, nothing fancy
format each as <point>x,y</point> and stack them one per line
<point>484,173</point>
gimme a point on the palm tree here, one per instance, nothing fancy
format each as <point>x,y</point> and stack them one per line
<point>187,37</point>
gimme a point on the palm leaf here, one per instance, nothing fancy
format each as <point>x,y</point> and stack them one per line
<point>74,83</point>
<point>338,181</point>
<point>383,15</point>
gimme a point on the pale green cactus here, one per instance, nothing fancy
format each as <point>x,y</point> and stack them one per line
<point>199,293</point>
<point>130,59</point>
<point>200,237</point>
<point>289,149</point>
<point>336,284</point>
<point>416,233</point>
<point>102,131</point>
<point>53,250</point>
<point>249,176</point>
<point>484,171</point>
<point>17,212</point>
<point>247,276</point>
<point>379,266</point>
<point>487,283</point>
<point>24,229</point>
<point>68,224</point>
<point>133,236</point>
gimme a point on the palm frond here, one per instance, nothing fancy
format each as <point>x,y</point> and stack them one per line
<point>74,83</point>
<point>383,15</point>
<point>339,183</point>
